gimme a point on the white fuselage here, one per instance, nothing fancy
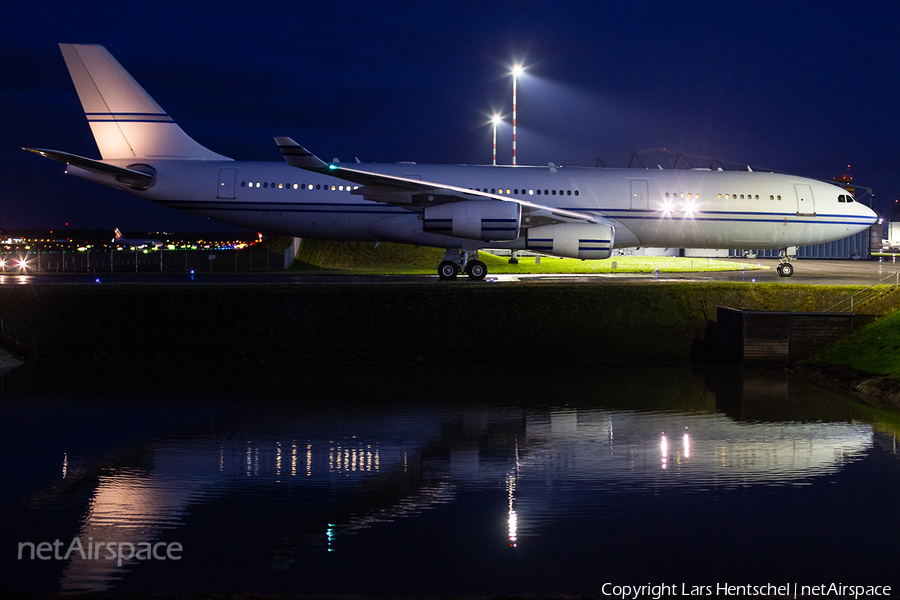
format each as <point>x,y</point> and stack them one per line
<point>695,208</point>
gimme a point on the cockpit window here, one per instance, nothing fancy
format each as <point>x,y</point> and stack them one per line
<point>847,198</point>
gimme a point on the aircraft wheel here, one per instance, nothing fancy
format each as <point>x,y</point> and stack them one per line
<point>476,270</point>
<point>448,270</point>
<point>786,269</point>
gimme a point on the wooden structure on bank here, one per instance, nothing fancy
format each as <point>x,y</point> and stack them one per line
<point>757,337</point>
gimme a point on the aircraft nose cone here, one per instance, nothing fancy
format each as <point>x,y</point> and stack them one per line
<point>869,213</point>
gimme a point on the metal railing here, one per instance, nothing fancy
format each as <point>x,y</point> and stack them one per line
<point>854,301</point>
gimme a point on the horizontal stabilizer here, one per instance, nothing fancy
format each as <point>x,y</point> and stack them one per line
<point>136,179</point>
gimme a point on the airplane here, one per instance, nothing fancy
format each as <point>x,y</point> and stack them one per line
<point>571,212</point>
<point>120,240</point>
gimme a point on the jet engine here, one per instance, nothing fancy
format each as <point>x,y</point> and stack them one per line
<point>573,240</point>
<point>488,220</point>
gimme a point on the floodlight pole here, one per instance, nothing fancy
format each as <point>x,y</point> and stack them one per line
<point>515,73</point>
<point>494,123</point>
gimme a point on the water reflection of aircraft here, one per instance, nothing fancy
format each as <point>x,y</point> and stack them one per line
<point>382,467</point>
<point>572,212</point>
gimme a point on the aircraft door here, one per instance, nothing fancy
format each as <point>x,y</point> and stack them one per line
<point>640,199</point>
<point>805,203</point>
<point>226,183</point>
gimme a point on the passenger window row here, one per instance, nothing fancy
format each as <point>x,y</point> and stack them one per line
<point>747,197</point>
<point>532,192</point>
<point>298,186</point>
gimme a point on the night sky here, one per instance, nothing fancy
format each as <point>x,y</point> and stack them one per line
<point>798,87</point>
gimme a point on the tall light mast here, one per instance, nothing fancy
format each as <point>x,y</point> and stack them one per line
<point>517,70</point>
<point>494,120</point>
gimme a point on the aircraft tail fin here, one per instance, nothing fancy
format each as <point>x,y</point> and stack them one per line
<point>125,120</point>
<point>119,235</point>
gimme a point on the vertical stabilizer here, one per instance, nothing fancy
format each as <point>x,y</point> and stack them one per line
<point>125,120</point>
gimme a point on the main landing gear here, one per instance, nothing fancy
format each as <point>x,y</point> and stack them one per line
<point>785,268</point>
<point>461,260</point>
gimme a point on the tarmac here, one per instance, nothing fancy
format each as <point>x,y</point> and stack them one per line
<point>808,272</point>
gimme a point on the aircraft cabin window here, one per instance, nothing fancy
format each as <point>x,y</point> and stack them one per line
<point>554,192</point>
<point>568,192</point>
<point>720,196</point>
<point>317,186</point>
<point>546,192</point>
<point>531,192</point>
<point>667,194</point>
<point>779,197</point>
<point>576,192</point>
<point>515,190</point>
<point>265,185</point>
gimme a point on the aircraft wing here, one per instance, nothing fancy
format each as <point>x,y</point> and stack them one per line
<point>411,193</point>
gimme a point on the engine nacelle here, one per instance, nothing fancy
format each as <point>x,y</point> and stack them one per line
<point>488,220</point>
<point>573,240</point>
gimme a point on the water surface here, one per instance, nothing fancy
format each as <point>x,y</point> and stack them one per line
<point>410,480</point>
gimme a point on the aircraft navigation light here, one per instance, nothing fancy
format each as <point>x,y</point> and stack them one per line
<point>332,167</point>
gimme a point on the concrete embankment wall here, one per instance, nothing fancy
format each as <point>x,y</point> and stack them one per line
<point>455,322</point>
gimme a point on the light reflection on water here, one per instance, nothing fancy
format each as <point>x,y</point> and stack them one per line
<point>343,461</point>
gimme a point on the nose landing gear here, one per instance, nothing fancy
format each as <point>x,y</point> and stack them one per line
<point>785,268</point>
